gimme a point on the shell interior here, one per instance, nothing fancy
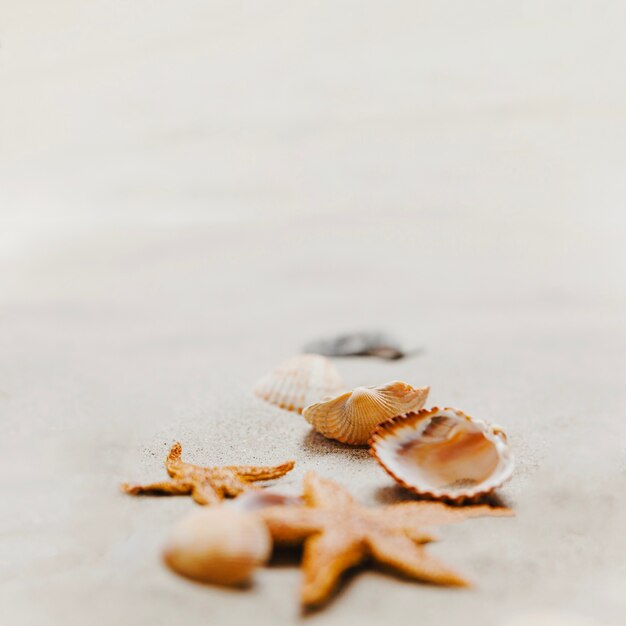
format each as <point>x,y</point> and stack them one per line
<point>444,454</point>
<point>299,381</point>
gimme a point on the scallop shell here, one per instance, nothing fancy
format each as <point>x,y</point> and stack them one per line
<point>218,545</point>
<point>351,417</point>
<point>443,453</point>
<point>299,381</point>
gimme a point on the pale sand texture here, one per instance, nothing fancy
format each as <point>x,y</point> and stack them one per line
<point>190,193</point>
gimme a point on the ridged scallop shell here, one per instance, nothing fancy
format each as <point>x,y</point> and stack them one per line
<point>351,417</point>
<point>443,453</point>
<point>299,381</point>
<point>218,545</point>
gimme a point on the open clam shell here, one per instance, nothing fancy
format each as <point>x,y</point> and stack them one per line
<point>443,453</point>
<point>351,417</point>
<point>299,381</point>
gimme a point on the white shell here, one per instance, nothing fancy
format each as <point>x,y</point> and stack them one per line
<point>299,381</point>
<point>218,545</point>
<point>351,417</point>
<point>443,453</point>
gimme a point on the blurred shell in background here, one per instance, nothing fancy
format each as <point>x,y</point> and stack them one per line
<point>351,417</point>
<point>443,453</point>
<point>257,499</point>
<point>300,381</point>
<point>218,545</point>
<point>369,343</point>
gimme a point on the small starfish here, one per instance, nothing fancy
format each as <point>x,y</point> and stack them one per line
<point>339,534</point>
<point>207,485</point>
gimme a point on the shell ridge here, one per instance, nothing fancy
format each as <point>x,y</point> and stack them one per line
<point>299,381</point>
<point>353,416</point>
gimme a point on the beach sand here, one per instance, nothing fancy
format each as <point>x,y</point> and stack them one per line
<point>189,206</point>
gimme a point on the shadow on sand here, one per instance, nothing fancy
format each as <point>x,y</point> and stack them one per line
<point>318,444</point>
<point>393,494</point>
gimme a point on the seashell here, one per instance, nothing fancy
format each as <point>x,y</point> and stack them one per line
<point>443,453</point>
<point>218,545</point>
<point>351,417</point>
<point>370,343</point>
<point>257,499</point>
<point>299,381</point>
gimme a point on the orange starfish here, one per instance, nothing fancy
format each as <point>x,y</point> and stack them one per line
<point>339,534</point>
<point>207,485</point>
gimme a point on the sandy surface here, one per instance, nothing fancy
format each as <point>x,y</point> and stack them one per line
<point>187,199</point>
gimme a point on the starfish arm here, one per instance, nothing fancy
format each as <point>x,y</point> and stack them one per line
<point>252,473</point>
<point>324,493</point>
<point>231,485</point>
<point>411,514</point>
<point>417,535</point>
<point>326,557</point>
<point>172,488</point>
<point>204,493</point>
<point>174,461</point>
<point>291,524</point>
<point>401,554</point>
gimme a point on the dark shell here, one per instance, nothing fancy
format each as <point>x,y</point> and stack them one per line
<point>374,343</point>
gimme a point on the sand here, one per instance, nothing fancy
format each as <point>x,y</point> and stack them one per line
<point>188,199</point>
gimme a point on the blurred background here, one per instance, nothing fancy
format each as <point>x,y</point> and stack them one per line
<point>496,131</point>
<point>190,191</point>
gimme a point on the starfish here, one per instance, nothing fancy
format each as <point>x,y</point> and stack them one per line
<point>207,485</point>
<point>339,534</point>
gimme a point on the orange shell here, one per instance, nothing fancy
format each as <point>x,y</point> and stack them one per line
<point>443,454</point>
<point>299,381</point>
<point>218,545</point>
<point>351,417</point>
